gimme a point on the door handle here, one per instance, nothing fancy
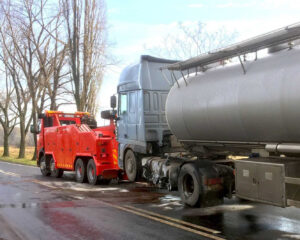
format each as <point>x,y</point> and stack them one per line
<point>255,181</point>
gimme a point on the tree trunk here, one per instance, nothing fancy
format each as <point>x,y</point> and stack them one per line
<point>22,146</point>
<point>35,147</point>
<point>5,144</point>
<point>34,122</point>
<point>53,105</point>
<point>22,138</point>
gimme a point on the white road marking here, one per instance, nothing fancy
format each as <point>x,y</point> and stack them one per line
<point>16,164</point>
<point>44,184</point>
<point>10,173</point>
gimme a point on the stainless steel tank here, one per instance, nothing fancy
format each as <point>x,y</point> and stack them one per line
<point>226,105</point>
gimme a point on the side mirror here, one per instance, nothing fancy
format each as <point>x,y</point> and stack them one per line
<point>33,130</point>
<point>41,115</point>
<point>113,101</point>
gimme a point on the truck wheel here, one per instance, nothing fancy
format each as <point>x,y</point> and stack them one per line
<point>92,172</point>
<point>55,172</point>
<point>189,185</point>
<point>43,167</point>
<point>132,166</point>
<point>80,170</point>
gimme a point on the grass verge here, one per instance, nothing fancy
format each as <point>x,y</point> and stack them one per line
<point>14,154</point>
<point>23,161</point>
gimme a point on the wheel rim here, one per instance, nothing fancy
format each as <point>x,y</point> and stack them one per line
<point>43,165</point>
<point>188,185</point>
<point>79,172</point>
<point>52,167</point>
<point>91,172</point>
<point>130,165</point>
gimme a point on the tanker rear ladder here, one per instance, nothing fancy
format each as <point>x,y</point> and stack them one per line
<point>274,38</point>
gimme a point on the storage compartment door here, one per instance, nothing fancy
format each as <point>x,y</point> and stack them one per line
<point>271,184</point>
<point>246,183</point>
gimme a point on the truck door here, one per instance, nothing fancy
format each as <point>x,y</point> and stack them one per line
<point>68,154</point>
<point>59,152</point>
<point>64,148</point>
<point>132,116</point>
<point>123,117</point>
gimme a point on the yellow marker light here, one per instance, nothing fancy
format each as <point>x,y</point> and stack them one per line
<point>52,111</point>
<point>82,113</point>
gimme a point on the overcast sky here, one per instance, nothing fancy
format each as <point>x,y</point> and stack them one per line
<point>134,24</point>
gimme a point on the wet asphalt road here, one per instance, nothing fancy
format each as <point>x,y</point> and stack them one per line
<point>36,207</point>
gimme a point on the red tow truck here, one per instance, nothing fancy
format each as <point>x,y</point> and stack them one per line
<point>73,142</point>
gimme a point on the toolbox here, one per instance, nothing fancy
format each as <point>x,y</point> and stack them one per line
<point>274,181</point>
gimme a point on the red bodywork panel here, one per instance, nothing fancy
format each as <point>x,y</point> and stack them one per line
<point>65,143</point>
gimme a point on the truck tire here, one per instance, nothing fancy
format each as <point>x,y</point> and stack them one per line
<point>80,171</point>
<point>189,185</point>
<point>92,172</point>
<point>132,166</point>
<point>43,167</point>
<point>55,172</point>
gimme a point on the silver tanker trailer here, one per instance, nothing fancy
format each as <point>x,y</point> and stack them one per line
<point>179,121</point>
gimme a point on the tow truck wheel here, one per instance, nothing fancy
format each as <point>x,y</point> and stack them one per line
<point>55,172</point>
<point>91,172</point>
<point>131,166</point>
<point>189,185</point>
<point>80,171</point>
<point>43,167</point>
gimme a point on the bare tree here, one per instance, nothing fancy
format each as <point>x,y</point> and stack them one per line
<point>8,119</point>
<point>192,40</point>
<point>30,44</point>
<point>22,96</point>
<point>57,87</point>
<point>35,58</point>
<point>86,36</point>
<point>34,50</point>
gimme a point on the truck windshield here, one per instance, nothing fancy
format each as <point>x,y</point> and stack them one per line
<point>66,122</point>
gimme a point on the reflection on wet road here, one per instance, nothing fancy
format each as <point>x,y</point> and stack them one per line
<point>36,207</point>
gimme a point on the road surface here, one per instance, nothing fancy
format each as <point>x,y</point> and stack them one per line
<point>35,207</point>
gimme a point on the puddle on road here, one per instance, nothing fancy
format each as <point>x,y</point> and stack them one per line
<point>169,202</point>
<point>138,197</point>
<point>141,192</point>
<point>216,210</point>
<point>19,205</point>
<point>49,204</point>
<point>70,225</point>
<point>291,236</point>
<point>79,187</point>
<point>233,219</point>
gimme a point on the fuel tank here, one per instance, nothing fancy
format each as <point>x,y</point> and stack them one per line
<point>225,104</point>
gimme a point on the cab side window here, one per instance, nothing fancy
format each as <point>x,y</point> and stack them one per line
<point>39,125</point>
<point>132,102</point>
<point>123,104</point>
<point>48,121</point>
